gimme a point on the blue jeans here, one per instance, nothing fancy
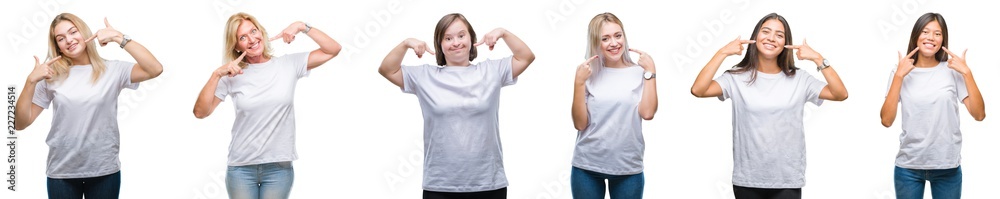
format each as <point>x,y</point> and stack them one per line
<point>945,183</point>
<point>100,187</point>
<point>268,180</point>
<point>588,184</point>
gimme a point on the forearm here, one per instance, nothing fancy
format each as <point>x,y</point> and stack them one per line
<point>145,59</point>
<point>326,44</point>
<point>393,61</point>
<point>704,79</point>
<point>975,102</point>
<point>23,114</point>
<point>579,109</point>
<point>835,84</point>
<point>649,102</point>
<point>518,47</point>
<point>889,107</point>
<point>204,105</point>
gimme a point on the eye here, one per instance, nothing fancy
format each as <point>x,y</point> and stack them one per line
<point>243,38</point>
<point>604,39</point>
<point>59,39</point>
<point>618,36</point>
<point>447,39</point>
<point>253,31</point>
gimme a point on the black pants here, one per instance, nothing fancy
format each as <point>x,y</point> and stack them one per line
<point>759,193</point>
<point>494,194</point>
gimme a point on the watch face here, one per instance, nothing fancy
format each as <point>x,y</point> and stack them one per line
<point>647,75</point>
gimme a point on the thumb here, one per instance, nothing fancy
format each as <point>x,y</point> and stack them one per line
<point>106,24</point>
<point>36,60</point>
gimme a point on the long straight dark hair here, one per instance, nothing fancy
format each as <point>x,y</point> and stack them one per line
<point>751,61</point>
<point>919,27</point>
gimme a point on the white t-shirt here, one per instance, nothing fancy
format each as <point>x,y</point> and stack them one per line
<point>612,143</point>
<point>83,140</point>
<point>264,130</point>
<point>769,149</point>
<point>462,151</point>
<point>929,99</point>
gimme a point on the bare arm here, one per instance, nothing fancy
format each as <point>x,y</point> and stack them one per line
<point>704,86</point>
<point>392,63</point>
<point>891,104</point>
<point>207,101</point>
<point>649,102</point>
<point>146,67</point>
<point>522,54</point>
<point>25,111</point>
<point>974,102</point>
<point>328,48</point>
<point>581,118</point>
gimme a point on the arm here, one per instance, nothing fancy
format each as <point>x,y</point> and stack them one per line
<point>974,102</point>
<point>328,48</point>
<point>522,54</point>
<point>834,89</point>
<point>146,67</point>
<point>392,64</point>
<point>26,111</point>
<point>704,86</point>
<point>207,101</point>
<point>581,118</point>
<point>889,107</point>
<point>649,102</point>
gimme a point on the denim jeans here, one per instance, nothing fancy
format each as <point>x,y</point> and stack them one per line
<point>260,181</point>
<point>945,183</point>
<point>101,187</point>
<point>588,184</point>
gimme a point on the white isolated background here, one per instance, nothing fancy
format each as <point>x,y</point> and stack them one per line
<point>360,137</point>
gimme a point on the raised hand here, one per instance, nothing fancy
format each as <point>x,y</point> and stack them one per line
<point>288,34</point>
<point>645,61</point>
<point>491,38</point>
<point>42,70</point>
<point>905,63</point>
<point>956,62</point>
<point>419,47</point>
<point>583,70</point>
<point>735,47</point>
<point>232,68</point>
<point>105,35</point>
<point>804,52</point>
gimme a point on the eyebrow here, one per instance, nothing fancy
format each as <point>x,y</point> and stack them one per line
<point>768,28</point>
<point>459,32</point>
<point>67,30</point>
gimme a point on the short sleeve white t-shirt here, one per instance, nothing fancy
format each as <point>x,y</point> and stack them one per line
<point>83,139</point>
<point>768,136</point>
<point>264,130</point>
<point>612,143</point>
<point>462,151</point>
<point>929,99</point>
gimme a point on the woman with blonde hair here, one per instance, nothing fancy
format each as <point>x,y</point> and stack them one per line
<point>611,96</point>
<point>459,101</point>
<point>262,87</point>
<point>82,89</point>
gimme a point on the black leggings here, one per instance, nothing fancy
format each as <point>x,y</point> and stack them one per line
<point>759,193</point>
<point>494,194</point>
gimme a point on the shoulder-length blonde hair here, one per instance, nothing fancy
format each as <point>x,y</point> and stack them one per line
<point>229,50</point>
<point>594,42</point>
<point>61,68</point>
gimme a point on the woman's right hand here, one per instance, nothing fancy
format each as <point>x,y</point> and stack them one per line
<point>583,71</point>
<point>419,47</point>
<point>735,47</point>
<point>905,63</point>
<point>42,70</point>
<point>232,68</point>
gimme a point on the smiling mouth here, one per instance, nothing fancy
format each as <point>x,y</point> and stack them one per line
<point>929,45</point>
<point>72,47</point>
<point>254,45</point>
<point>615,50</point>
<point>770,46</point>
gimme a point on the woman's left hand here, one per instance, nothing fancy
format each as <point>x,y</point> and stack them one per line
<point>288,34</point>
<point>804,52</point>
<point>491,38</point>
<point>645,61</point>
<point>105,35</point>
<point>957,63</point>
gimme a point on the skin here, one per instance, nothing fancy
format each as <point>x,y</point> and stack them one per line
<point>252,51</point>
<point>70,42</point>
<point>612,42</point>
<point>929,43</point>
<point>770,42</point>
<point>455,48</point>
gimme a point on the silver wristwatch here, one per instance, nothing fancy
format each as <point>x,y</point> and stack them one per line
<point>308,28</point>
<point>125,40</point>
<point>825,64</point>
<point>648,75</point>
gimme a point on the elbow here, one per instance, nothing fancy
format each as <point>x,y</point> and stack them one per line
<point>580,127</point>
<point>156,73</point>
<point>696,93</point>
<point>647,117</point>
<point>979,117</point>
<point>842,97</point>
<point>200,114</point>
<point>19,126</point>
<point>333,50</point>
<point>886,123</point>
